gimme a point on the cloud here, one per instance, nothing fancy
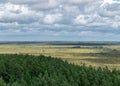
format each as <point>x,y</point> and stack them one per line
<point>81,19</point>
<point>52,18</point>
<point>37,4</point>
<point>64,18</point>
<point>26,1</point>
<point>77,1</point>
<point>17,13</point>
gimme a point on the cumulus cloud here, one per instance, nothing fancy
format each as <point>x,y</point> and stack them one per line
<point>77,1</point>
<point>52,18</point>
<point>71,17</point>
<point>18,13</point>
<point>37,4</point>
<point>26,1</point>
<point>81,19</point>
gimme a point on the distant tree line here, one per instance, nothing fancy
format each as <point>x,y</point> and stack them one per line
<point>29,70</point>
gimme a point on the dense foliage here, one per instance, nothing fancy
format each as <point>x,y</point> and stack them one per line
<point>28,70</point>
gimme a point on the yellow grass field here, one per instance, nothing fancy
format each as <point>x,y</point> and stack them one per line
<point>83,55</point>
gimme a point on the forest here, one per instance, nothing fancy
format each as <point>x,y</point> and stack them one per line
<point>30,70</point>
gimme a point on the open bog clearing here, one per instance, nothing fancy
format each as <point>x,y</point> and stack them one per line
<point>106,55</point>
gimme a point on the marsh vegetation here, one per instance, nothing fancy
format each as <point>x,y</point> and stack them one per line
<point>97,55</point>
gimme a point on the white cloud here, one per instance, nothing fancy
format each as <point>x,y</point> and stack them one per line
<point>18,13</point>
<point>37,4</point>
<point>26,1</point>
<point>68,16</point>
<point>52,18</point>
<point>77,1</point>
<point>81,19</point>
<point>64,12</point>
<point>115,24</point>
<point>106,2</point>
<point>71,9</point>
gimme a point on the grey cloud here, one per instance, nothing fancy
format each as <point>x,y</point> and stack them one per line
<point>18,13</point>
<point>37,4</point>
<point>52,18</point>
<point>27,1</point>
<point>65,16</point>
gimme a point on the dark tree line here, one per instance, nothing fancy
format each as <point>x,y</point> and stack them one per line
<point>29,70</point>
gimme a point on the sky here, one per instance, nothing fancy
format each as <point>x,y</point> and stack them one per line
<point>59,20</point>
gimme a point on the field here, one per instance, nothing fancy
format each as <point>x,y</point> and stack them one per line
<point>103,55</point>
